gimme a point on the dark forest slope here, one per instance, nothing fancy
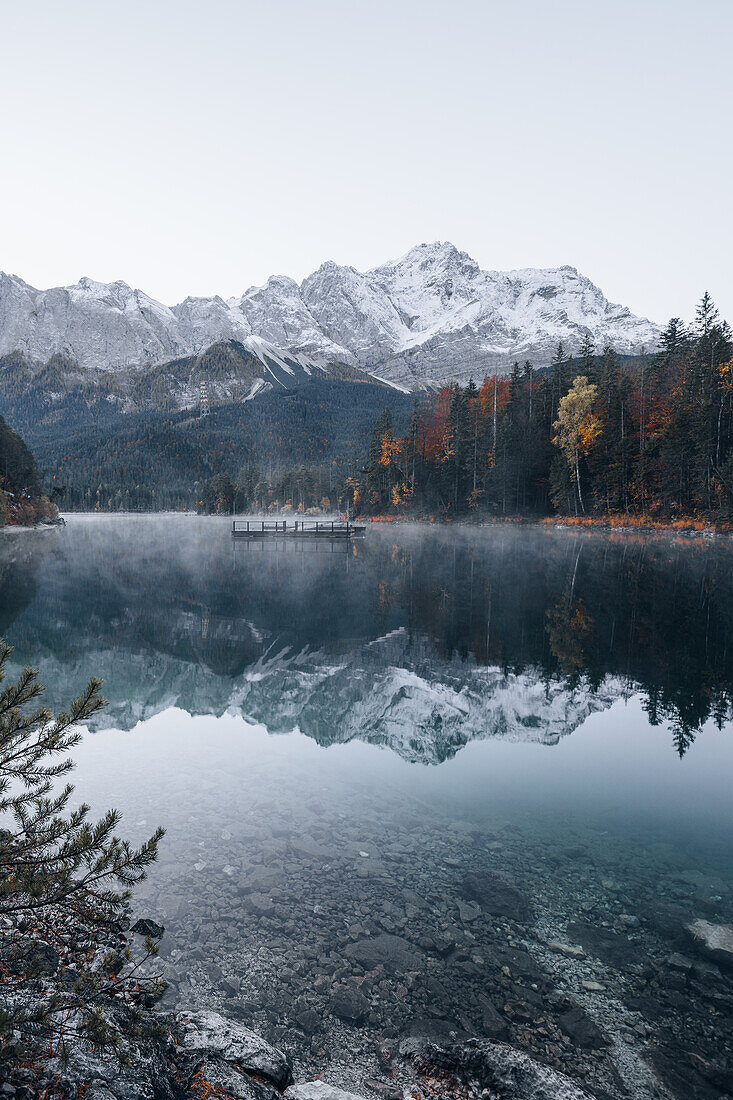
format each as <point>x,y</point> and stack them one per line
<point>155,460</point>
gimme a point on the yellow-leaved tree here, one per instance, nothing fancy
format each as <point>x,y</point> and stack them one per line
<point>577,426</point>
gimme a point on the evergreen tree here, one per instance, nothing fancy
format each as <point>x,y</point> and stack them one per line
<point>587,358</point>
<point>18,471</point>
<point>559,371</point>
<point>218,496</point>
<point>65,886</point>
<point>658,438</point>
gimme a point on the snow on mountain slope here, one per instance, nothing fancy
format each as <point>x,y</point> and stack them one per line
<point>430,317</point>
<point>234,370</point>
<point>395,692</point>
<point>277,312</point>
<point>204,321</point>
<point>463,321</point>
<point>97,324</point>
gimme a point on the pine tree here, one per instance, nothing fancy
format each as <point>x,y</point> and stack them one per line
<point>672,339</point>
<point>706,316</point>
<point>587,358</point>
<point>375,477</point>
<point>18,471</point>
<point>559,371</point>
<point>65,887</point>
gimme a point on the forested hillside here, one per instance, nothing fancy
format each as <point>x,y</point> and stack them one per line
<point>595,435</point>
<point>164,460</point>
<point>21,499</point>
<point>58,395</point>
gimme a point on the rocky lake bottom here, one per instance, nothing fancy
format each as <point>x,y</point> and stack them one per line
<point>338,917</point>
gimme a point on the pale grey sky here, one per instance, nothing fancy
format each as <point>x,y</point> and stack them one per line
<point>196,148</point>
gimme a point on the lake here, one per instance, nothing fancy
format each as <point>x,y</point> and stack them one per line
<point>443,780</point>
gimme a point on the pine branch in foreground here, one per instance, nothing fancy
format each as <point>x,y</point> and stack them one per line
<point>67,973</point>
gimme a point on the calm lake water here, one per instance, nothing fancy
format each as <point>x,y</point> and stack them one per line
<point>452,780</point>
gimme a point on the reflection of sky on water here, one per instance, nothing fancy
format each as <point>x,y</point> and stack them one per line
<point>614,773</point>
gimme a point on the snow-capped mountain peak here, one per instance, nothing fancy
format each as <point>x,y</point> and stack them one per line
<point>432,316</point>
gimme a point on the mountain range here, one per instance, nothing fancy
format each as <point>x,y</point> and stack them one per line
<point>431,317</point>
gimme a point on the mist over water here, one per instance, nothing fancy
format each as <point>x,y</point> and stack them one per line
<point>331,733</point>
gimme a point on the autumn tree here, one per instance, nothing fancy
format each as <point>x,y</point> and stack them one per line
<point>378,470</point>
<point>577,426</point>
<point>217,496</point>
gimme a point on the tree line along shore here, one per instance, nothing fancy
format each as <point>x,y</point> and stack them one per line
<point>594,440</point>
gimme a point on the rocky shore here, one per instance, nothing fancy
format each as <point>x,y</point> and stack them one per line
<point>198,1054</point>
<point>205,1055</point>
<point>19,510</point>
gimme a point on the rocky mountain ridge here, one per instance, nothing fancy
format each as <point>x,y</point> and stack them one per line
<point>394,692</point>
<point>431,317</point>
<point>61,393</point>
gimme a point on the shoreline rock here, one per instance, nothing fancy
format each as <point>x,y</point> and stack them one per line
<point>205,1054</point>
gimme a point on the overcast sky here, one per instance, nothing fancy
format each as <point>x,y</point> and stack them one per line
<point>196,148</point>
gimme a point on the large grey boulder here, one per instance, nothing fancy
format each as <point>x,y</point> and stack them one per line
<point>318,1090</point>
<point>349,1004</point>
<point>612,948</point>
<point>212,1036</point>
<point>392,952</point>
<point>578,1025</point>
<point>232,1081</point>
<point>496,894</point>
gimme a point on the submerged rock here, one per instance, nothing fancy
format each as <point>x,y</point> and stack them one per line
<point>578,1025</point>
<point>257,903</point>
<point>496,894</point>
<point>715,941</point>
<point>349,1004</point>
<point>492,1022</point>
<point>146,927</point>
<point>509,1074</point>
<point>391,952</point>
<point>307,1018</point>
<point>569,950</point>
<point>611,947</point>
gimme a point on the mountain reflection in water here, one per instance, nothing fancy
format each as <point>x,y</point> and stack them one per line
<point>419,638</point>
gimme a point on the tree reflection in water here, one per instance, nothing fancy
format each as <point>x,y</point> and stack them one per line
<point>571,608</point>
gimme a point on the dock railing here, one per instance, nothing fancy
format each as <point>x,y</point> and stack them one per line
<point>253,528</point>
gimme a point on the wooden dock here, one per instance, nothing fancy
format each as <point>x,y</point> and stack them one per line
<point>296,529</point>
